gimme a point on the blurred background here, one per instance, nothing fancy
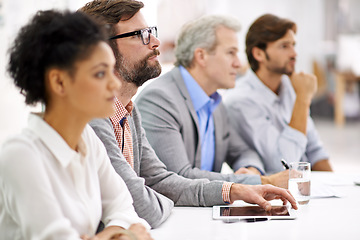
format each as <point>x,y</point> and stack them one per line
<point>328,45</point>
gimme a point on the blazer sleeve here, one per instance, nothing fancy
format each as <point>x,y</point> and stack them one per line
<point>183,191</point>
<point>150,205</point>
<point>241,155</point>
<point>230,146</point>
<point>117,203</point>
<point>162,120</point>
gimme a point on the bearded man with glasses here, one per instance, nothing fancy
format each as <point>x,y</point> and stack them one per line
<point>135,46</point>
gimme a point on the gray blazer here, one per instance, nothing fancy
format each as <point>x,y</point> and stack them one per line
<point>150,180</point>
<point>172,128</point>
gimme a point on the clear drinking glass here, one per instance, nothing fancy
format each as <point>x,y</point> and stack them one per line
<point>299,181</point>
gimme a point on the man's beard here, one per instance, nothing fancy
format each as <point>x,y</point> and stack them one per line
<point>139,72</point>
<point>279,69</point>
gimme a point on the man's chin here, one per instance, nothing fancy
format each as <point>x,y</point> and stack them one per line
<point>157,70</point>
<point>155,64</point>
<point>289,72</point>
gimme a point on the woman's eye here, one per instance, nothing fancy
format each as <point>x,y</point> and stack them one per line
<point>100,74</point>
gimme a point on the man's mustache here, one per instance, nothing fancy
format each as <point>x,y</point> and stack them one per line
<point>155,52</point>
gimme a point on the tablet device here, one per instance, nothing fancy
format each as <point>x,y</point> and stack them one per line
<point>252,213</point>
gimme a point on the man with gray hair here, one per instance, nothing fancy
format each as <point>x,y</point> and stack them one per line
<point>184,118</point>
<point>153,188</point>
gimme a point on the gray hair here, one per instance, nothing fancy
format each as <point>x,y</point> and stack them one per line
<point>200,33</point>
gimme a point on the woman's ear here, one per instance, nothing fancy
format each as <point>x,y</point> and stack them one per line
<point>258,54</point>
<point>56,81</point>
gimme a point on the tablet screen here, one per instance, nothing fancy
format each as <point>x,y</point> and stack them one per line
<point>253,211</point>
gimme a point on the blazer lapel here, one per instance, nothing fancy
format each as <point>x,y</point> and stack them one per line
<point>179,81</point>
<point>218,118</point>
<point>135,143</point>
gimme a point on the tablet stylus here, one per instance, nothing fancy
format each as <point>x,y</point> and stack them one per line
<point>255,219</point>
<point>245,219</point>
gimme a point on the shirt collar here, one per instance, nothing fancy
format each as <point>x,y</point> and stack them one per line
<point>198,96</point>
<point>53,141</point>
<point>121,111</point>
<point>267,94</point>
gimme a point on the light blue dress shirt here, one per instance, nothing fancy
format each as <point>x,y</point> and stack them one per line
<point>204,107</point>
<point>262,118</point>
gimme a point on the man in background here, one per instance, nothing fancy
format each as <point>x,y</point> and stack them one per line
<point>184,118</point>
<point>269,107</point>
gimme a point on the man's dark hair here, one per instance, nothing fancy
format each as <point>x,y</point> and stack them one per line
<point>50,39</point>
<point>265,29</point>
<point>110,12</point>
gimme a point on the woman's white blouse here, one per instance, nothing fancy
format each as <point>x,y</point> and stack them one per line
<point>49,191</point>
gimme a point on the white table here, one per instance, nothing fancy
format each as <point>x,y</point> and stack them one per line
<point>322,218</point>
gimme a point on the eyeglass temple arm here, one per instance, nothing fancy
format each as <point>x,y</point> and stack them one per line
<point>125,35</point>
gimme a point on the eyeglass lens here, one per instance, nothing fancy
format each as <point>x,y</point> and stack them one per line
<point>145,34</point>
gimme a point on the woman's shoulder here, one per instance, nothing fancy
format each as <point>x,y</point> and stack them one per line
<point>20,150</point>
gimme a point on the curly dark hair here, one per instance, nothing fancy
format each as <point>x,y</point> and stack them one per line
<point>51,39</point>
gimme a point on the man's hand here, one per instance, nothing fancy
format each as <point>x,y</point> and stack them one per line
<point>135,231</point>
<point>250,170</point>
<point>280,179</point>
<point>305,86</point>
<point>322,165</point>
<point>140,232</point>
<point>261,194</point>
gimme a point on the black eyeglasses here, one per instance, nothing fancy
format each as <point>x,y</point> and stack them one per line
<point>144,34</point>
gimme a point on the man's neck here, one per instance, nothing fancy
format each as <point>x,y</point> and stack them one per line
<point>271,80</point>
<point>127,91</point>
<point>202,80</point>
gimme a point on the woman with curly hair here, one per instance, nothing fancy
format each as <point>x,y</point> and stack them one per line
<point>56,180</point>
